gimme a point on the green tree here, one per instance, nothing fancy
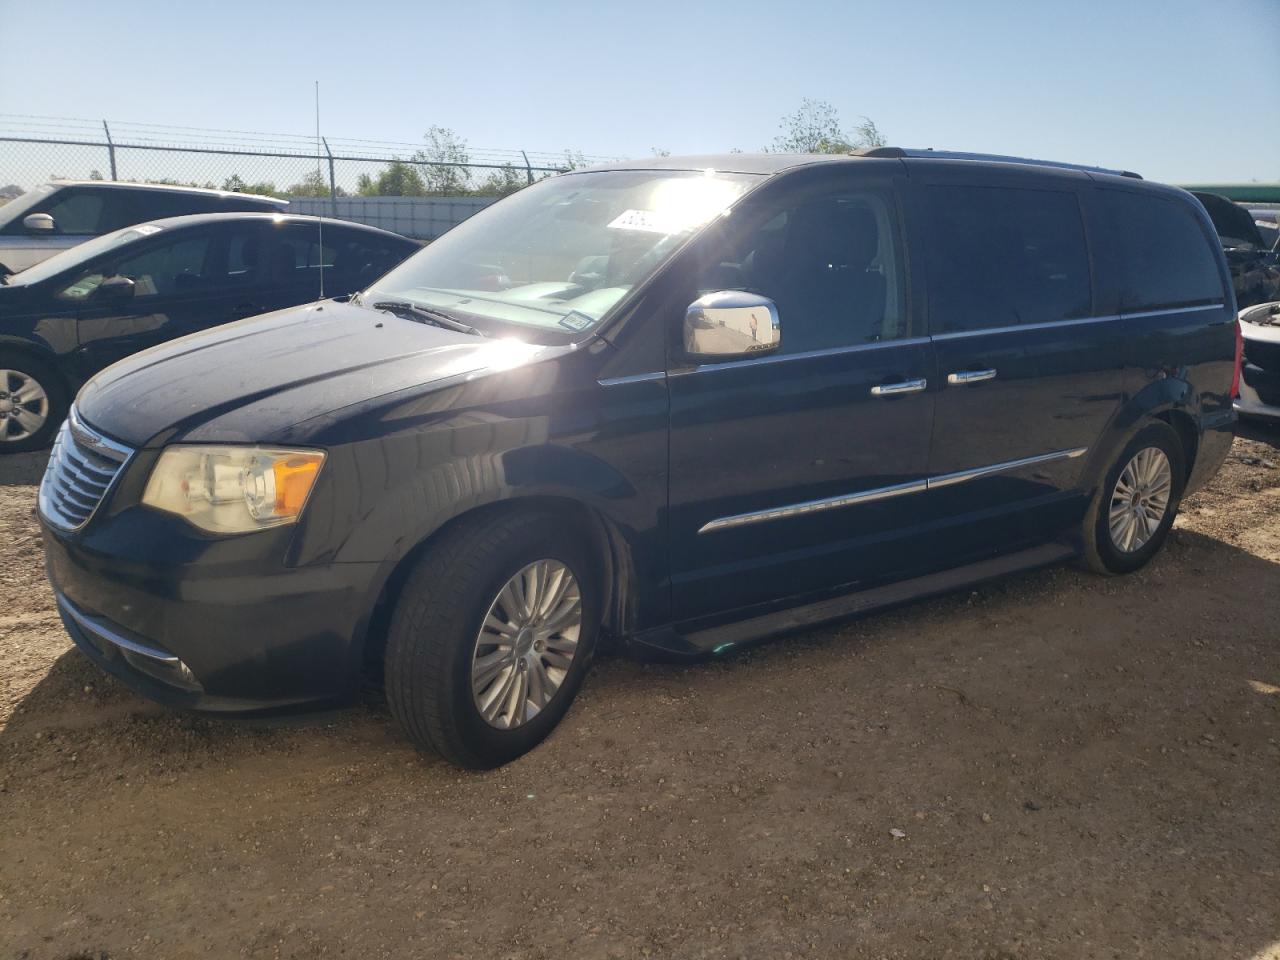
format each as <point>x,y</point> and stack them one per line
<point>503,181</point>
<point>444,152</point>
<point>314,184</point>
<point>237,184</point>
<point>816,128</point>
<point>399,179</point>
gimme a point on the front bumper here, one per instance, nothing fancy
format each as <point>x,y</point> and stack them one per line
<point>234,631</point>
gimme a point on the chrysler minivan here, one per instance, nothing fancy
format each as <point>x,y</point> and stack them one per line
<point>681,403</point>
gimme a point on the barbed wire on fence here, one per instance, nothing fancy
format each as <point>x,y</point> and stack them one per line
<point>36,149</point>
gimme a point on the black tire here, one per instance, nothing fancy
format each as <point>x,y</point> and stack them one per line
<point>55,390</point>
<point>438,615</point>
<point>1101,554</point>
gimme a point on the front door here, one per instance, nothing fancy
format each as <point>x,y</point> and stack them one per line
<point>799,471</point>
<point>1029,359</point>
<point>196,278</point>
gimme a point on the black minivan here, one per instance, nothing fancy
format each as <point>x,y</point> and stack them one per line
<point>682,403</point>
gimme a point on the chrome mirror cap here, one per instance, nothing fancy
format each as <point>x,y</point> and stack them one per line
<point>731,323</point>
<point>38,223</point>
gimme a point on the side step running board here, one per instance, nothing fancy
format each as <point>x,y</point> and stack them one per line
<point>719,639</point>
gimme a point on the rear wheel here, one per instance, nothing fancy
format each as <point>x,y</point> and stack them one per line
<point>491,637</point>
<point>1135,506</point>
<point>33,402</point>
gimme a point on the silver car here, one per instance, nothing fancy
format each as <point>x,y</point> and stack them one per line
<point>58,215</point>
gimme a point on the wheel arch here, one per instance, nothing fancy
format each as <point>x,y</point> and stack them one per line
<point>607,542</point>
<point>1169,401</point>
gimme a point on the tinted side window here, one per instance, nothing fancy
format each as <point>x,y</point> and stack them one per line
<point>245,262</point>
<point>170,268</point>
<point>831,264</point>
<point>77,211</point>
<point>156,205</point>
<point>361,259</point>
<point>1001,257</point>
<point>1166,259</point>
<point>179,266</point>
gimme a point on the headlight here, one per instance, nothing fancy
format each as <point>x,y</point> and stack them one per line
<point>233,489</point>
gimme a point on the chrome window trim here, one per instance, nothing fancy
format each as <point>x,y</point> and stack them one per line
<point>807,355</point>
<point>1017,327</point>
<point>1049,324</point>
<point>884,493</point>
<point>1138,315</point>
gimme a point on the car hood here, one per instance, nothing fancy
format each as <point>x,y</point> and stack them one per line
<point>251,381</point>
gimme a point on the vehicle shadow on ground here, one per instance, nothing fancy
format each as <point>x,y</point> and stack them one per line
<point>1128,754</point>
<point>1261,431</point>
<point>22,469</point>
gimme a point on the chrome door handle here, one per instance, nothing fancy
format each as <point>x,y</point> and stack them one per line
<point>897,389</point>
<point>970,376</point>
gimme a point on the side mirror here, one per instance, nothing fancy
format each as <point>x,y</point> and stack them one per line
<point>731,323</point>
<point>38,223</point>
<point>115,288</point>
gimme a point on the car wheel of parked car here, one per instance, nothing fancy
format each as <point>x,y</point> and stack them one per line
<point>1134,507</point>
<point>33,403</point>
<point>491,636</point>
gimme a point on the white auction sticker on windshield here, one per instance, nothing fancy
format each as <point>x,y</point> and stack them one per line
<point>646,221</point>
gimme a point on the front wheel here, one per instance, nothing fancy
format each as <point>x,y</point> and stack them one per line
<point>491,637</point>
<point>1134,508</point>
<point>33,403</point>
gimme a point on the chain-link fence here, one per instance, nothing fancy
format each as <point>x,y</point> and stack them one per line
<point>35,150</point>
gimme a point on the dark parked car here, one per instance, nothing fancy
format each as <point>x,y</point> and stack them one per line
<point>1255,267</point>
<point>79,311</point>
<point>57,216</point>
<point>685,403</point>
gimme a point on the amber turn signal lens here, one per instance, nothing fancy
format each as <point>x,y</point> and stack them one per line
<point>294,478</point>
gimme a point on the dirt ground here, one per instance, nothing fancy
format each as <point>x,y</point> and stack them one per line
<point>1056,765</point>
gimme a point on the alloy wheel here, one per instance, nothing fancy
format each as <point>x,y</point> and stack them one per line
<point>24,406</point>
<point>1140,499</point>
<point>526,644</point>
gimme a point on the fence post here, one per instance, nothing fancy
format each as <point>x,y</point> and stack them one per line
<point>333,183</point>
<point>527,169</point>
<point>111,149</point>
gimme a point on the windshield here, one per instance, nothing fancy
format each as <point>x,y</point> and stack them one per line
<point>82,252</point>
<point>559,254</point>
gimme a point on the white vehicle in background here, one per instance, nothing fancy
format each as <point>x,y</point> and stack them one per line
<point>56,216</point>
<point>1260,372</point>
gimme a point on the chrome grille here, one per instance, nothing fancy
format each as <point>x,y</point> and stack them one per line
<point>82,466</point>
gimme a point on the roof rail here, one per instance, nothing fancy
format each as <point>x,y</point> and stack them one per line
<point>901,153</point>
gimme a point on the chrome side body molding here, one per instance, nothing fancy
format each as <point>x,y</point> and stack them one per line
<point>883,493</point>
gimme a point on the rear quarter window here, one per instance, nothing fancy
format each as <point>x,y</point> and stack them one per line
<point>1167,259</point>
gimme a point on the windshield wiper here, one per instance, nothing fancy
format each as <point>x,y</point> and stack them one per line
<point>411,311</point>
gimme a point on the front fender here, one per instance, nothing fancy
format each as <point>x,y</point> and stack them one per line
<point>413,503</point>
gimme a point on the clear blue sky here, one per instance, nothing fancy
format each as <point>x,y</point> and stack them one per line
<point>1180,90</point>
